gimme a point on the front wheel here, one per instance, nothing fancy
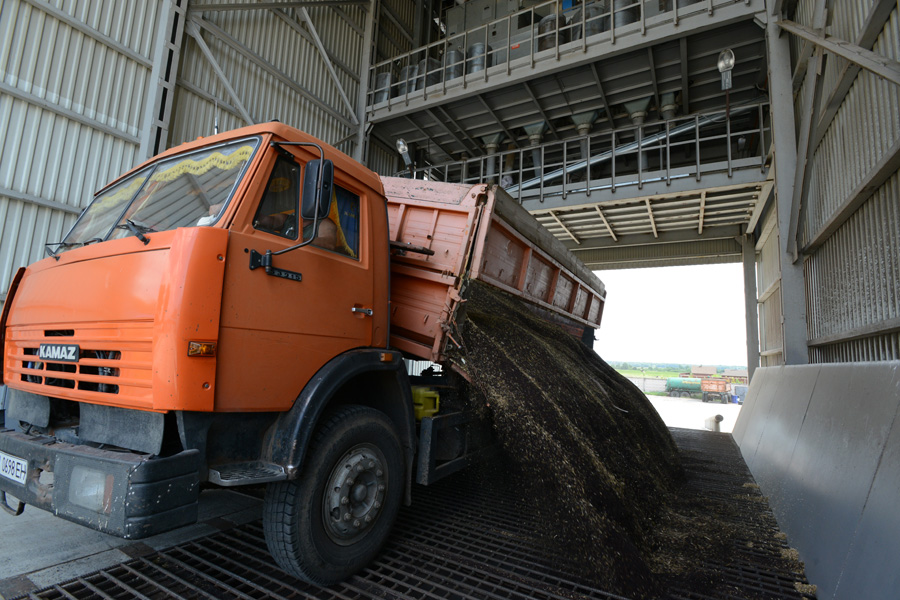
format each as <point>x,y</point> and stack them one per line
<point>332,520</point>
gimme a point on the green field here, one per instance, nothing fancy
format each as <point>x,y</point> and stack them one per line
<point>648,373</point>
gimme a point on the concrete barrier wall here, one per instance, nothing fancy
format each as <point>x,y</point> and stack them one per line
<point>823,443</point>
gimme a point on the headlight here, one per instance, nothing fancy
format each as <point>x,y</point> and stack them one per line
<point>91,489</point>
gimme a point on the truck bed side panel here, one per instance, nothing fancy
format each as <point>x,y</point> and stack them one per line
<point>476,233</point>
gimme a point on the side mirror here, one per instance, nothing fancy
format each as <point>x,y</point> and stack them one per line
<point>316,201</point>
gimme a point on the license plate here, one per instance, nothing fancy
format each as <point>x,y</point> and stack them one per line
<point>13,468</point>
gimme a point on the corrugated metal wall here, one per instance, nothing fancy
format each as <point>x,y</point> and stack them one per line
<point>852,278</point>
<point>74,77</point>
<point>395,26</point>
<point>282,40</point>
<point>77,90</point>
<point>768,286</point>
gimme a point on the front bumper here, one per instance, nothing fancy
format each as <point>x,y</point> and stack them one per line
<point>136,495</point>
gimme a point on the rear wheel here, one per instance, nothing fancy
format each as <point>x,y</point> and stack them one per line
<point>332,520</point>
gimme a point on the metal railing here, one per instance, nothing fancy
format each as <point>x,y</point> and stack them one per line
<point>630,157</point>
<point>518,40</point>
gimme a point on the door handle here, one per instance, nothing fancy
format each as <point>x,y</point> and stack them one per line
<point>364,311</point>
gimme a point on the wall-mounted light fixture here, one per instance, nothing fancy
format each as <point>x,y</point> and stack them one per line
<point>403,149</point>
<point>726,64</point>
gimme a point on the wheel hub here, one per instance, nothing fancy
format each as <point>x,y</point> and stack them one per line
<point>354,494</point>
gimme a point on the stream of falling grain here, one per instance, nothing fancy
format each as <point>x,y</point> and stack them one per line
<point>588,443</point>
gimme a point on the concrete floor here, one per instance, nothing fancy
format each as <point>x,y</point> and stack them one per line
<point>39,550</point>
<point>690,413</point>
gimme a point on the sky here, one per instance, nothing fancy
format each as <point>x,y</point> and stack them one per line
<point>686,315</point>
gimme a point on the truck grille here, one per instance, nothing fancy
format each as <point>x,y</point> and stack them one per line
<point>86,375</point>
<point>113,360</point>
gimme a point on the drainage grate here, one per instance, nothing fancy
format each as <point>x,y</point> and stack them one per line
<point>464,539</point>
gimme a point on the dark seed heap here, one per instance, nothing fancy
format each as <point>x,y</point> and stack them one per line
<point>587,444</point>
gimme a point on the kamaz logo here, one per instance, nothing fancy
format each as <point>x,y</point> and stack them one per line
<point>60,352</point>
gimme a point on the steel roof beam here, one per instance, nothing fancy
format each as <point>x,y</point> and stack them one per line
<point>194,32</point>
<point>653,80</point>
<point>652,220</point>
<point>609,228</point>
<point>685,93</point>
<point>879,65</point>
<point>459,127</point>
<point>812,100</point>
<point>220,6</point>
<point>222,104</point>
<point>326,58</point>
<point>427,138</point>
<point>566,229</point>
<point>702,209</point>
<point>740,178</point>
<point>392,16</point>
<point>540,109</point>
<point>38,201</point>
<point>491,112</point>
<point>351,23</point>
<point>292,23</point>
<point>762,200</point>
<point>665,237</point>
<point>606,106</point>
<point>271,69</point>
<point>90,32</point>
<point>443,125</point>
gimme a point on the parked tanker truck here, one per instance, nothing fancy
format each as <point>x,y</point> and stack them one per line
<point>237,311</point>
<point>709,389</point>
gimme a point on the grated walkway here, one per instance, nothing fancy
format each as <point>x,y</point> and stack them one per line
<point>461,539</point>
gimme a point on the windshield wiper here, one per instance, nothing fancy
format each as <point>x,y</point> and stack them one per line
<point>138,229</point>
<point>53,251</point>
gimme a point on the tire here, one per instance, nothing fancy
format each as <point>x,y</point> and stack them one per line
<point>315,526</point>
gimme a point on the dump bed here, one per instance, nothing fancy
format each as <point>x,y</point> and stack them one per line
<point>475,233</point>
<point>714,385</point>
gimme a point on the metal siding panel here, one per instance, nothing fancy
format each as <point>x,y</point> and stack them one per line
<point>771,335</point>
<point>866,125</point>
<point>61,80</point>
<point>382,160</point>
<point>265,96</point>
<point>853,278</point>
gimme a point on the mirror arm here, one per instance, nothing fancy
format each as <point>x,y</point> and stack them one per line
<point>258,260</point>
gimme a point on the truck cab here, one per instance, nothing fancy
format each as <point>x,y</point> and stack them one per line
<point>217,315</point>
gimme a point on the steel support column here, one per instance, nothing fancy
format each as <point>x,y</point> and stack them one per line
<point>163,75</point>
<point>751,316</point>
<point>793,293</point>
<point>360,151</point>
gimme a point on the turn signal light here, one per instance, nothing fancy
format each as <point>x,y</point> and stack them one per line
<point>201,349</point>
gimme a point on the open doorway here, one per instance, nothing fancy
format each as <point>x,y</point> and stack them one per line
<point>675,330</point>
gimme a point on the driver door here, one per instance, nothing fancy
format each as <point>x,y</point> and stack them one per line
<point>277,332</point>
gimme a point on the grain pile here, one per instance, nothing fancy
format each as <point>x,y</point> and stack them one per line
<point>590,448</point>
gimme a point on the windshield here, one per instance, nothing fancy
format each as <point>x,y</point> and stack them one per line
<point>182,191</point>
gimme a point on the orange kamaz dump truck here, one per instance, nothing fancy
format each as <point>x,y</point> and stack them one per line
<point>236,311</point>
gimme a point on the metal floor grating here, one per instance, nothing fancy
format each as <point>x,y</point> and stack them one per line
<point>460,539</point>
